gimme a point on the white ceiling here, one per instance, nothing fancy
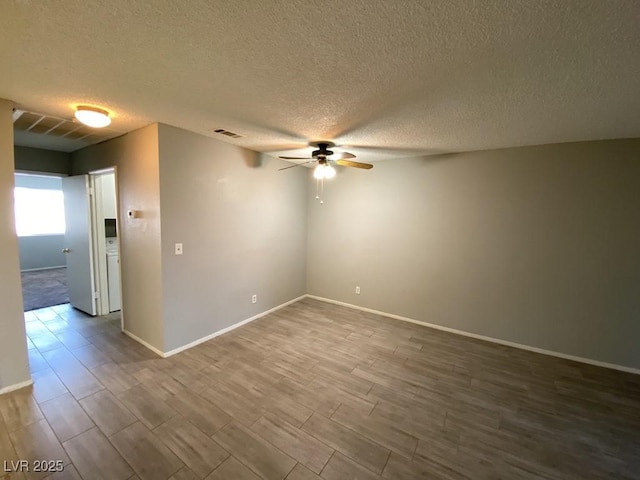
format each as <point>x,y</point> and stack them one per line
<point>381,78</point>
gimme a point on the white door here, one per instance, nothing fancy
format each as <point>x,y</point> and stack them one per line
<point>78,245</point>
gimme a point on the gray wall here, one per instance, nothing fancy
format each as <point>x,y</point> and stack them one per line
<point>135,156</point>
<point>14,366</point>
<point>242,223</point>
<point>41,251</point>
<point>243,226</point>
<point>536,245</point>
<point>38,160</point>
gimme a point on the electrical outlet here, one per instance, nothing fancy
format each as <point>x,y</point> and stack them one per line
<point>357,290</point>
<point>254,298</point>
<point>178,249</point>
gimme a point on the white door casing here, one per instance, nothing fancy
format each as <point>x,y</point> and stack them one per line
<point>104,205</point>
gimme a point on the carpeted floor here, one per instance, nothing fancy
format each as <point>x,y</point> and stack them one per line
<point>44,288</point>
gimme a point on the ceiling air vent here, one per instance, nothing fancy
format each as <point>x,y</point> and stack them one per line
<point>222,131</point>
<point>32,129</point>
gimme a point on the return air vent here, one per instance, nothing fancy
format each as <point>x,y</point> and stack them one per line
<point>222,131</point>
<point>58,127</point>
<point>32,129</point>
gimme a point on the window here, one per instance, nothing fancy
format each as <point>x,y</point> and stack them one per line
<point>39,211</point>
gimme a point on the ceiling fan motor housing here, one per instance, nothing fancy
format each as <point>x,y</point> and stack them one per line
<point>322,154</point>
<point>322,151</point>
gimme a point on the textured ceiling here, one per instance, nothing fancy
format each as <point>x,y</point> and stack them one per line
<point>381,78</point>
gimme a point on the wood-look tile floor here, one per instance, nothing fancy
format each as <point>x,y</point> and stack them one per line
<point>314,391</point>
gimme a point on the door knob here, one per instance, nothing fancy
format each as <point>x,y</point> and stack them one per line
<point>65,250</point>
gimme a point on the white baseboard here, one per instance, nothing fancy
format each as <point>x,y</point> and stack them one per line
<point>42,268</point>
<point>143,343</point>
<point>228,329</point>
<point>15,386</point>
<point>208,337</point>
<point>597,363</point>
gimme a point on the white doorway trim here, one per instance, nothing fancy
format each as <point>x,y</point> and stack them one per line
<point>100,257</point>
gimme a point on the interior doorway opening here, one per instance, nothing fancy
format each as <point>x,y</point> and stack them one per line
<point>40,226</point>
<point>89,248</point>
<point>106,246</point>
<point>68,236</point>
<point>91,242</point>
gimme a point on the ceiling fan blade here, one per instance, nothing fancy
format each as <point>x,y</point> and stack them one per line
<point>349,163</point>
<point>344,156</point>
<point>296,165</point>
<point>295,158</point>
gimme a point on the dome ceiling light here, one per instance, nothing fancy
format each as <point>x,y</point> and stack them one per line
<point>92,116</point>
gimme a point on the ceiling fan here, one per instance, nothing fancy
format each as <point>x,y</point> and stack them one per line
<point>321,155</point>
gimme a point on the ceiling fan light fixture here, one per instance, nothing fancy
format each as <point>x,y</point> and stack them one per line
<point>324,171</point>
<point>92,116</point>
<point>329,171</point>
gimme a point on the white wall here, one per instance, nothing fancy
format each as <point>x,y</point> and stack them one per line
<point>14,366</point>
<point>535,245</point>
<point>107,189</point>
<point>243,226</point>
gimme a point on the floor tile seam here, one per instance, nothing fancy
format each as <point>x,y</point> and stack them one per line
<point>93,424</point>
<point>327,376</point>
<point>59,348</point>
<point>97,426</point>
<point>269,443</point>
<point>366,436</point>
<point>328,461</point>
<point>377,474</point>
<point>303,431</point>
<point>59,379</point>
<point>343,388</point>
<point>210,437</point>
<point>15,448</point>
<point>113,445</point>
<point>12,441</point>
<point>289,400</point>
<point>387,461</point>
<point>346,454</point>
<point>230,414</point>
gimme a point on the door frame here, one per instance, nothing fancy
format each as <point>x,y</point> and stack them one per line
<point>99,247</point>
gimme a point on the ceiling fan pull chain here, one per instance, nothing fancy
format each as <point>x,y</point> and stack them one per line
<point>319,189</point>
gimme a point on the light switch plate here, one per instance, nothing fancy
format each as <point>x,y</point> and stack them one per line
<point>178,249</point>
